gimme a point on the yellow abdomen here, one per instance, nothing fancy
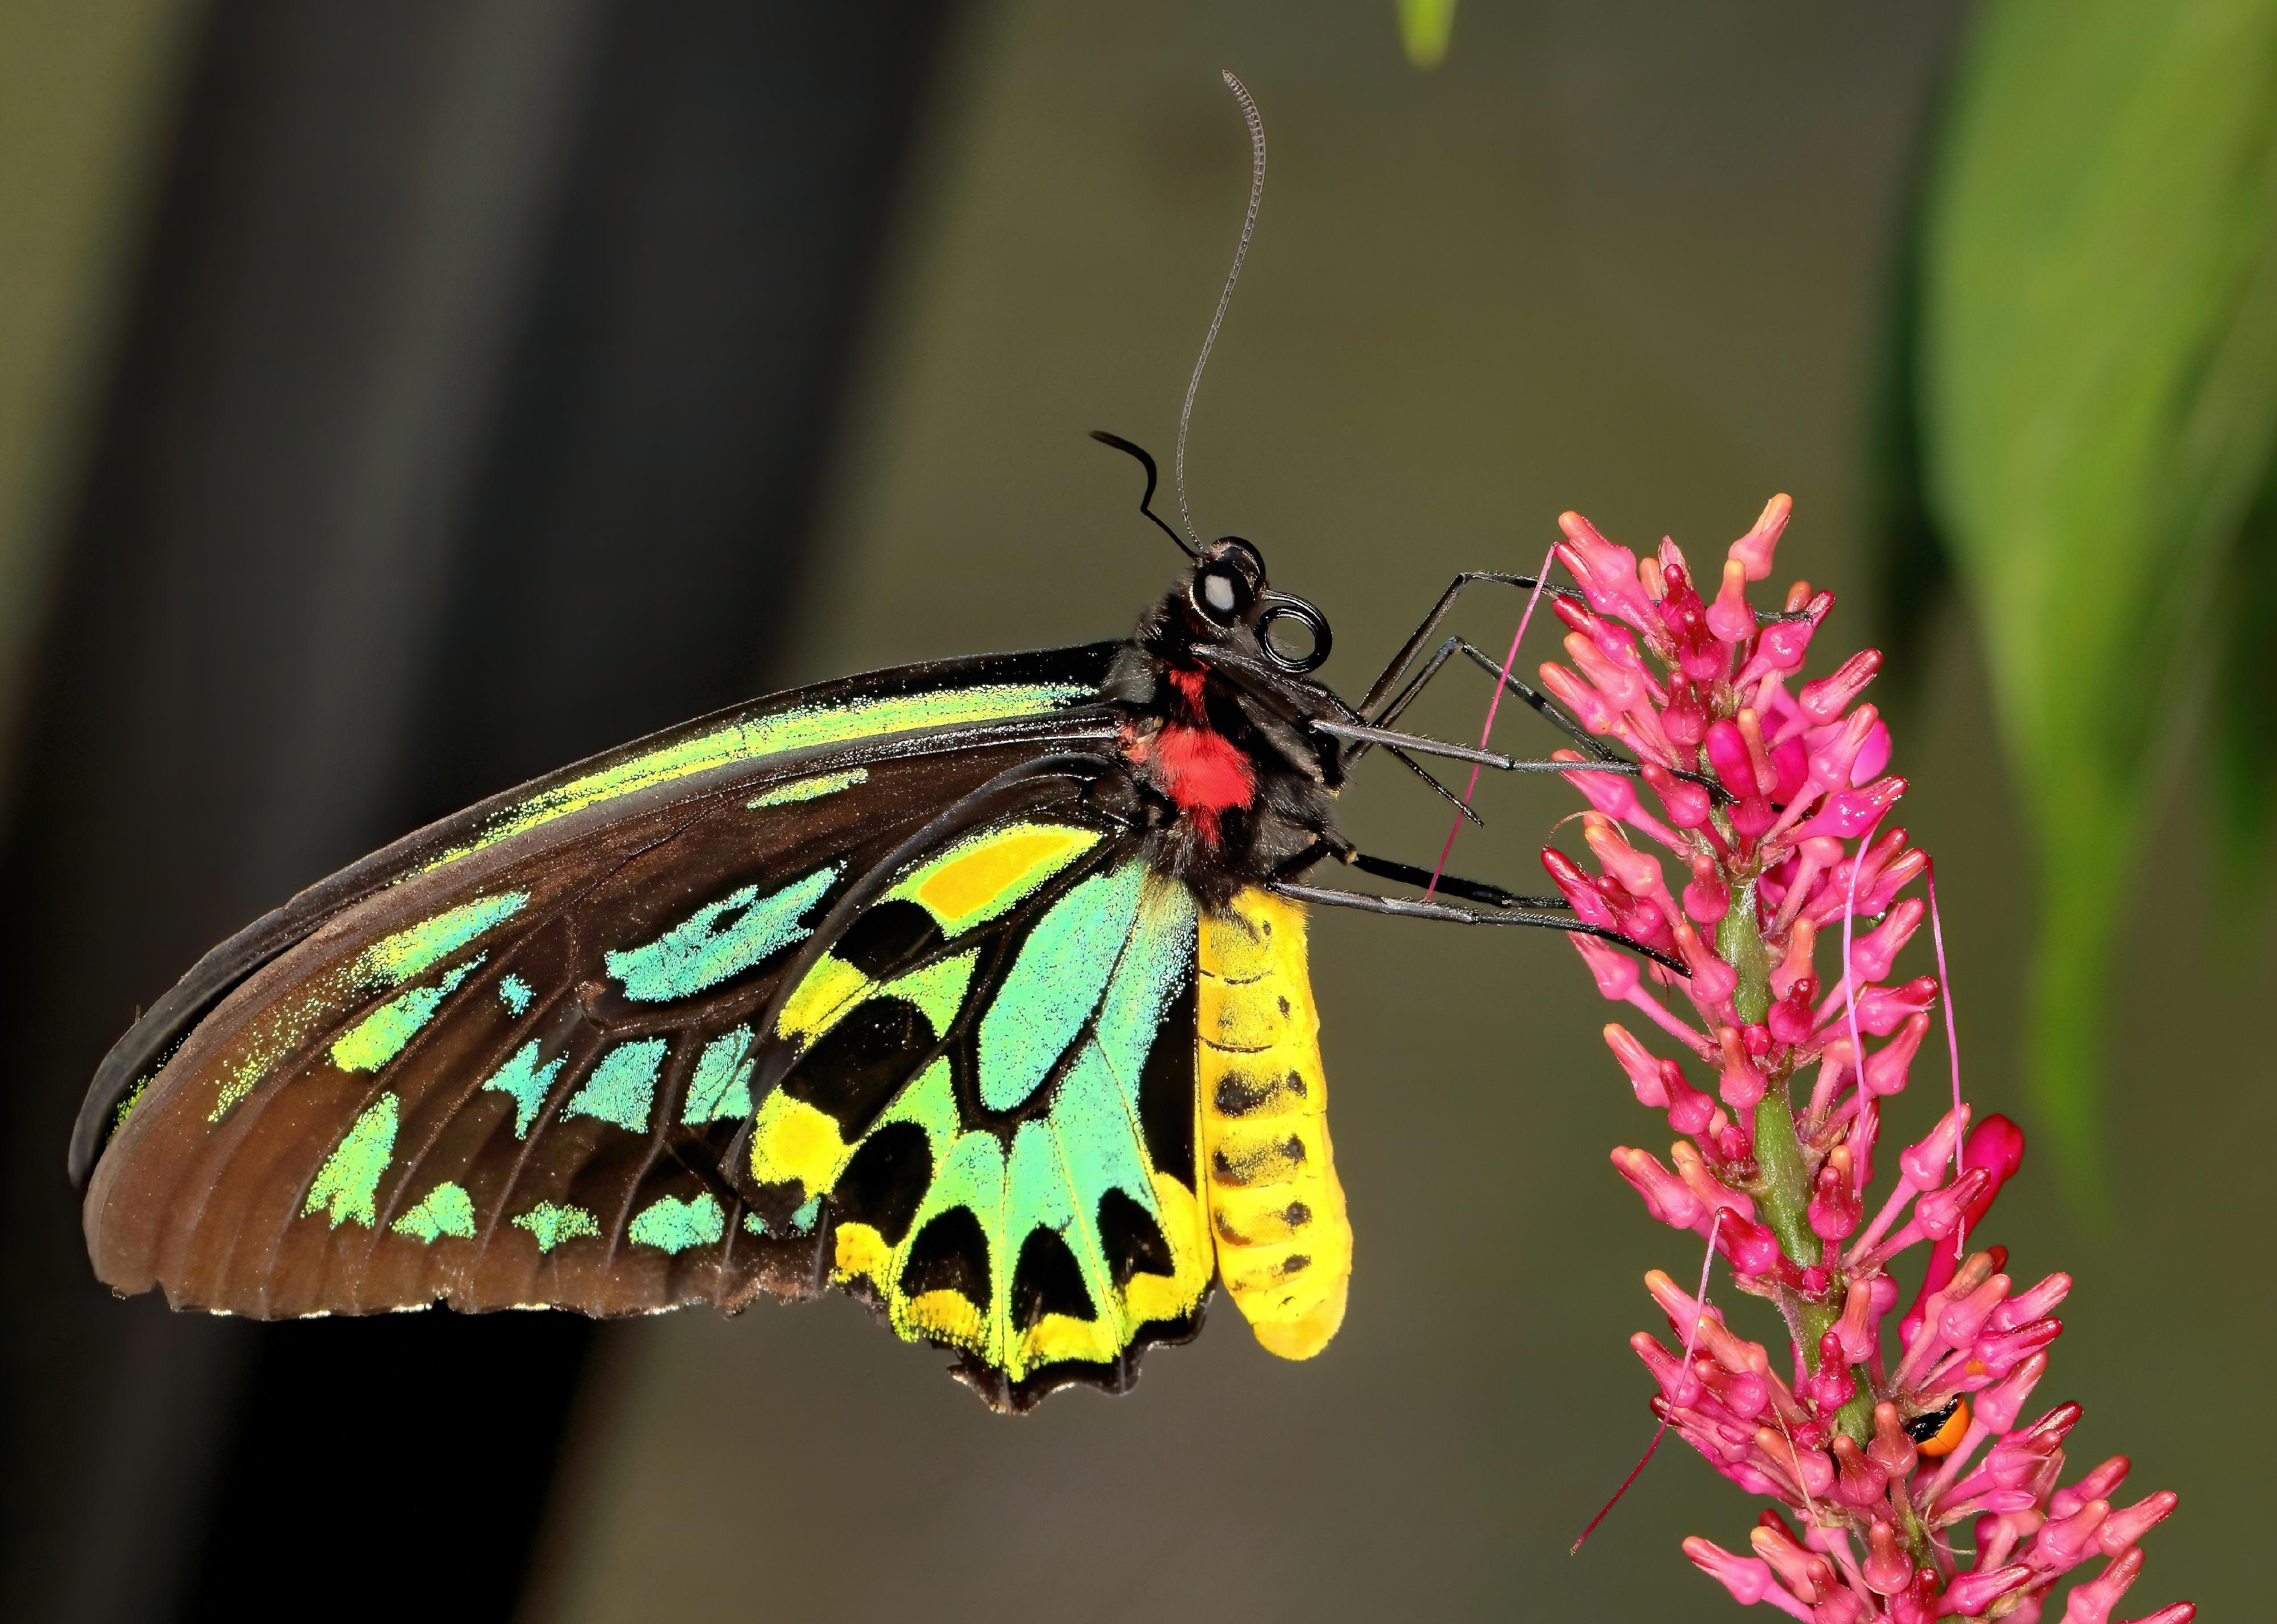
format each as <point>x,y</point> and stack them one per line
<point>1275,1209</point>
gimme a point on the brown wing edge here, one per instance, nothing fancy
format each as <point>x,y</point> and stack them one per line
<point>162,1027</point>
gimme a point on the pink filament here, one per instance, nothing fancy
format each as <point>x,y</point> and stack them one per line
<point>1691,1342</point>
<point>1952,1043</point>
<point>1486,732</point>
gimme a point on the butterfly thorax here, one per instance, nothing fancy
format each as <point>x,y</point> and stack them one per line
<point>1232,791</point>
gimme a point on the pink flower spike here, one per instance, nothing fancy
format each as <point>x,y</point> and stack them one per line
<point>1753,551</point>
<point>1730,617</point>
<point>1749,1578</point>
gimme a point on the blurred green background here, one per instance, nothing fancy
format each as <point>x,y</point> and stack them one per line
<point>1635,259</point>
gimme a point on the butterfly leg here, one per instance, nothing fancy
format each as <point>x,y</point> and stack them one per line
<point>1411,909</point>
<point>1422,634</point>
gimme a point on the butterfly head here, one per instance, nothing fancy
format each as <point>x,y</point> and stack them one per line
<point>1227,591</point>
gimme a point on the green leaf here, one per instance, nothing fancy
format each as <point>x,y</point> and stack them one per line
<point>2245,719</point>
<point>2099,385</point>
<point>1425,28</point>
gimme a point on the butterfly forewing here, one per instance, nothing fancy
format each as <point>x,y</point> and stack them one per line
<point>510,1075</point>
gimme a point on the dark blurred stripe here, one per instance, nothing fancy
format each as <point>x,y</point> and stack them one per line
<point>468,420</point>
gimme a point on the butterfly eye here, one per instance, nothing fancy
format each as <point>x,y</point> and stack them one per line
<point>1221,594</point>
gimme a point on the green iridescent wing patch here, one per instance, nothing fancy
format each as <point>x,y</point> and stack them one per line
<point>504,1063</point>
<point>991,1099</point>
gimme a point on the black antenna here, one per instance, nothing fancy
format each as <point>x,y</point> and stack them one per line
<point>1248,225</point>
<point>1146,462</point>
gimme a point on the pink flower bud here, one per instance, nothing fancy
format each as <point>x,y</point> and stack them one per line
<point>1607,572</point>
<point>2091,1603</point>
<point>1886,1569</point>
<point>1753,1249</point>
<point>2064,1541</point>
<point>1852,811</point>
<point>1858,1483</point>
<point>1923,1163</point>
<point>1687,804</point>
<point>1590,708</point>
<point>1835,1210</point>
<point>1882,1010</point>
<point>1831,761</point>
<point>1970,1594</point>
<point>1938,1212</point>
<point>1707,899</point>
<point>1727,753</point>
<point>1753,551</point>
<point>1996,1406</point>
<point>1665,1196</point>
<point>1747,1577</point>
<point>1685,718</point>
<point>1743,1084</point>
<point>1886,1066</point>
<point>1873,755</point>
<point>1730,617</point>
<point>1893,1448</point>
<point>1872,954</point>
<point>2003,1353</point>
<point>1616,973</point>
<point>1825,700</point>
<point>2099,1484</point>
<point>2035,1304</point>
<point>1571,880</point>
<point>2121,1529</point>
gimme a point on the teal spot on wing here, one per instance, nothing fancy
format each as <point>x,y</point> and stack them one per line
<point>622,1088</point>
<point>514,992</point>
<point>718,941</point>
<point>802,1221</point>
<point>1157,963</point>
<point>808,789</point>
<point>551,1224</point>
<point>722,1085</point>
<point>380,1036</point>
<point>526,1082</point>
<point>446,1209</point>
<point>673,1225</point>
<point>804,727</point>
<point>1055,984</point>
<point>349,1180</point>
<point>384,965</point>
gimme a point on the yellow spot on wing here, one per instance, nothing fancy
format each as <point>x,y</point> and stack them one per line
<point>946,1315</point>
<point>863,1251</point>
<point>830,987</point>
<point>981,878</point>
<point>794,1141</point>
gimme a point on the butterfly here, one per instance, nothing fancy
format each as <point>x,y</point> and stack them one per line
<point>976,988</point>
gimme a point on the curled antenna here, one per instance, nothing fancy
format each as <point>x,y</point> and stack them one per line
<point>1248,225</point>
<point>1148,497</point>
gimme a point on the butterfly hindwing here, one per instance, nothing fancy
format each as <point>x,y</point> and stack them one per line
<point>989,1099</point>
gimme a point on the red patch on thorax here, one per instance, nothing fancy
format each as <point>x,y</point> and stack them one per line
<point>1203,772</point>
